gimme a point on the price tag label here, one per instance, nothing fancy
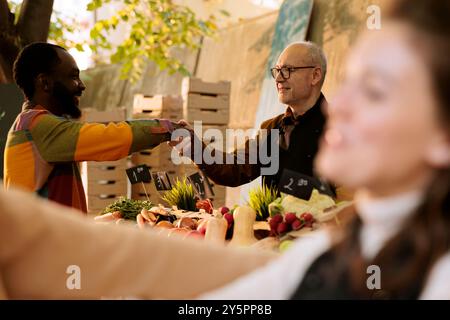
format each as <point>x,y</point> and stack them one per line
<point>162,181</point>
<point>301,186</point>
<point>201,185</point>
<point>139,174</point>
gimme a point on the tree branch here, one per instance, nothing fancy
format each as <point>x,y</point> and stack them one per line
<point>34,20</point>
<point>4,15</point>
<point>8,53</point>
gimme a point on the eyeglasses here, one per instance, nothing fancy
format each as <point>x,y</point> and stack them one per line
<point>286,71</point>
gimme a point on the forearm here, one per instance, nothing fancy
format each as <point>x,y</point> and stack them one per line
<point>228,169</point>
<point>38,243</point>
<point>60,140</point>
<point>230,175</point>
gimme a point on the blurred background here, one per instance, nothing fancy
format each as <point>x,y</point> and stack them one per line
<point>129,48</point>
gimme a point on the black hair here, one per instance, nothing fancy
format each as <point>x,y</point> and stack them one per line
<point>34,59</point>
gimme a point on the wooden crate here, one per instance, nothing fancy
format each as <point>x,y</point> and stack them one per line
<point>173,171</point>
<point>158,159</point>
<point>157,106</point>
<point>93,115</point>
<point>190,169</point>
<point>101,169</point>
<point>169,115</point>
<point>203,101</point>
<point>208,109</point>
<point>196,85</point>
<point>139,193</point>
<point>148,157</point>
<point>97,204</point>
<point>106,187</point>
<point>207,116</point>
<point>105,172</point>
<point>208,102</point>
<point>141,196</point>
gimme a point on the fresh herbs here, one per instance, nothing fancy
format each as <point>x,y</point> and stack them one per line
<point>181,195</point>
<point>260,198</point>
<point>128,208</point>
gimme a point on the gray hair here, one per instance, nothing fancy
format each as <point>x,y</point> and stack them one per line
<point>316,54</point>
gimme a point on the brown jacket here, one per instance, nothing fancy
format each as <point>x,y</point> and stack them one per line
<point>39,240</point>
<point>299,143</point>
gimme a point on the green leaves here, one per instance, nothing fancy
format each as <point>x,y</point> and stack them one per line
<point>95,4</point>
<point>182,195</point>
<point>128,208</point>
<point>154,28</point>
<point>260,198</point>
<point>61,27</point>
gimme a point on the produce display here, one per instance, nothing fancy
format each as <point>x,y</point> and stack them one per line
<point>123,209</point>
<point>267,222</point>
<point>181,195</point>
<point>260,198</point>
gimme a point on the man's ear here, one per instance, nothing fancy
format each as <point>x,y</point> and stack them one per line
<point>438,153</point>
<point>316,76</point>
<point>44,82</point>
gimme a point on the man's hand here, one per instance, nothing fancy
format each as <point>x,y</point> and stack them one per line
<point>181,124</point>
<point>185,144</point>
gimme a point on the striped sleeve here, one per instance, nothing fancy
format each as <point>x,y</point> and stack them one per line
<point>62,140</point>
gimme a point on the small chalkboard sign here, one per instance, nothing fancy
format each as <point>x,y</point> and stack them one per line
<point>325,188</point>
<point>300,185</point>
<point>162,181</point>
<point>201,185</point>
<point>139,174</point>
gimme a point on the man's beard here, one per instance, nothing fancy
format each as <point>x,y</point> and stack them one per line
<point>66,100</point>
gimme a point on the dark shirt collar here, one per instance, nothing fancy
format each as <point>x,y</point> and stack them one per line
<point>290,119</point>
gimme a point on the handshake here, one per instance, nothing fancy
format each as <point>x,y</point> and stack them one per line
<point>183,139</point>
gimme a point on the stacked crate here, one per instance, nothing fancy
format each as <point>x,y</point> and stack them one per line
<point>208,102</point>
<point>158,159</point>
<point>104,181</point>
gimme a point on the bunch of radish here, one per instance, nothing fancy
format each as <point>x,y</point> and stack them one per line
<point>280,225</point>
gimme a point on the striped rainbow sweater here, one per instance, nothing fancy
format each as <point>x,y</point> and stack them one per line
<point>42,151</point>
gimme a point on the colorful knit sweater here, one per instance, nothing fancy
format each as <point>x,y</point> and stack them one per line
<point>42,151</point>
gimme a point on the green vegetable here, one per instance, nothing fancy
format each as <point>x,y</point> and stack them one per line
<point>260,198</point>
<point>128,208</point>
<point>181,195</point>
<point>276,207</point>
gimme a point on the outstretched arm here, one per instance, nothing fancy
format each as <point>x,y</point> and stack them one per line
<point>61,140</point>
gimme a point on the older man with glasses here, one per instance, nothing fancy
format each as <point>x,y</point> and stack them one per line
<point>299,75</point>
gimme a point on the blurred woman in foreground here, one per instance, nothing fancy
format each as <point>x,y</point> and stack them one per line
<point>388,138</point>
